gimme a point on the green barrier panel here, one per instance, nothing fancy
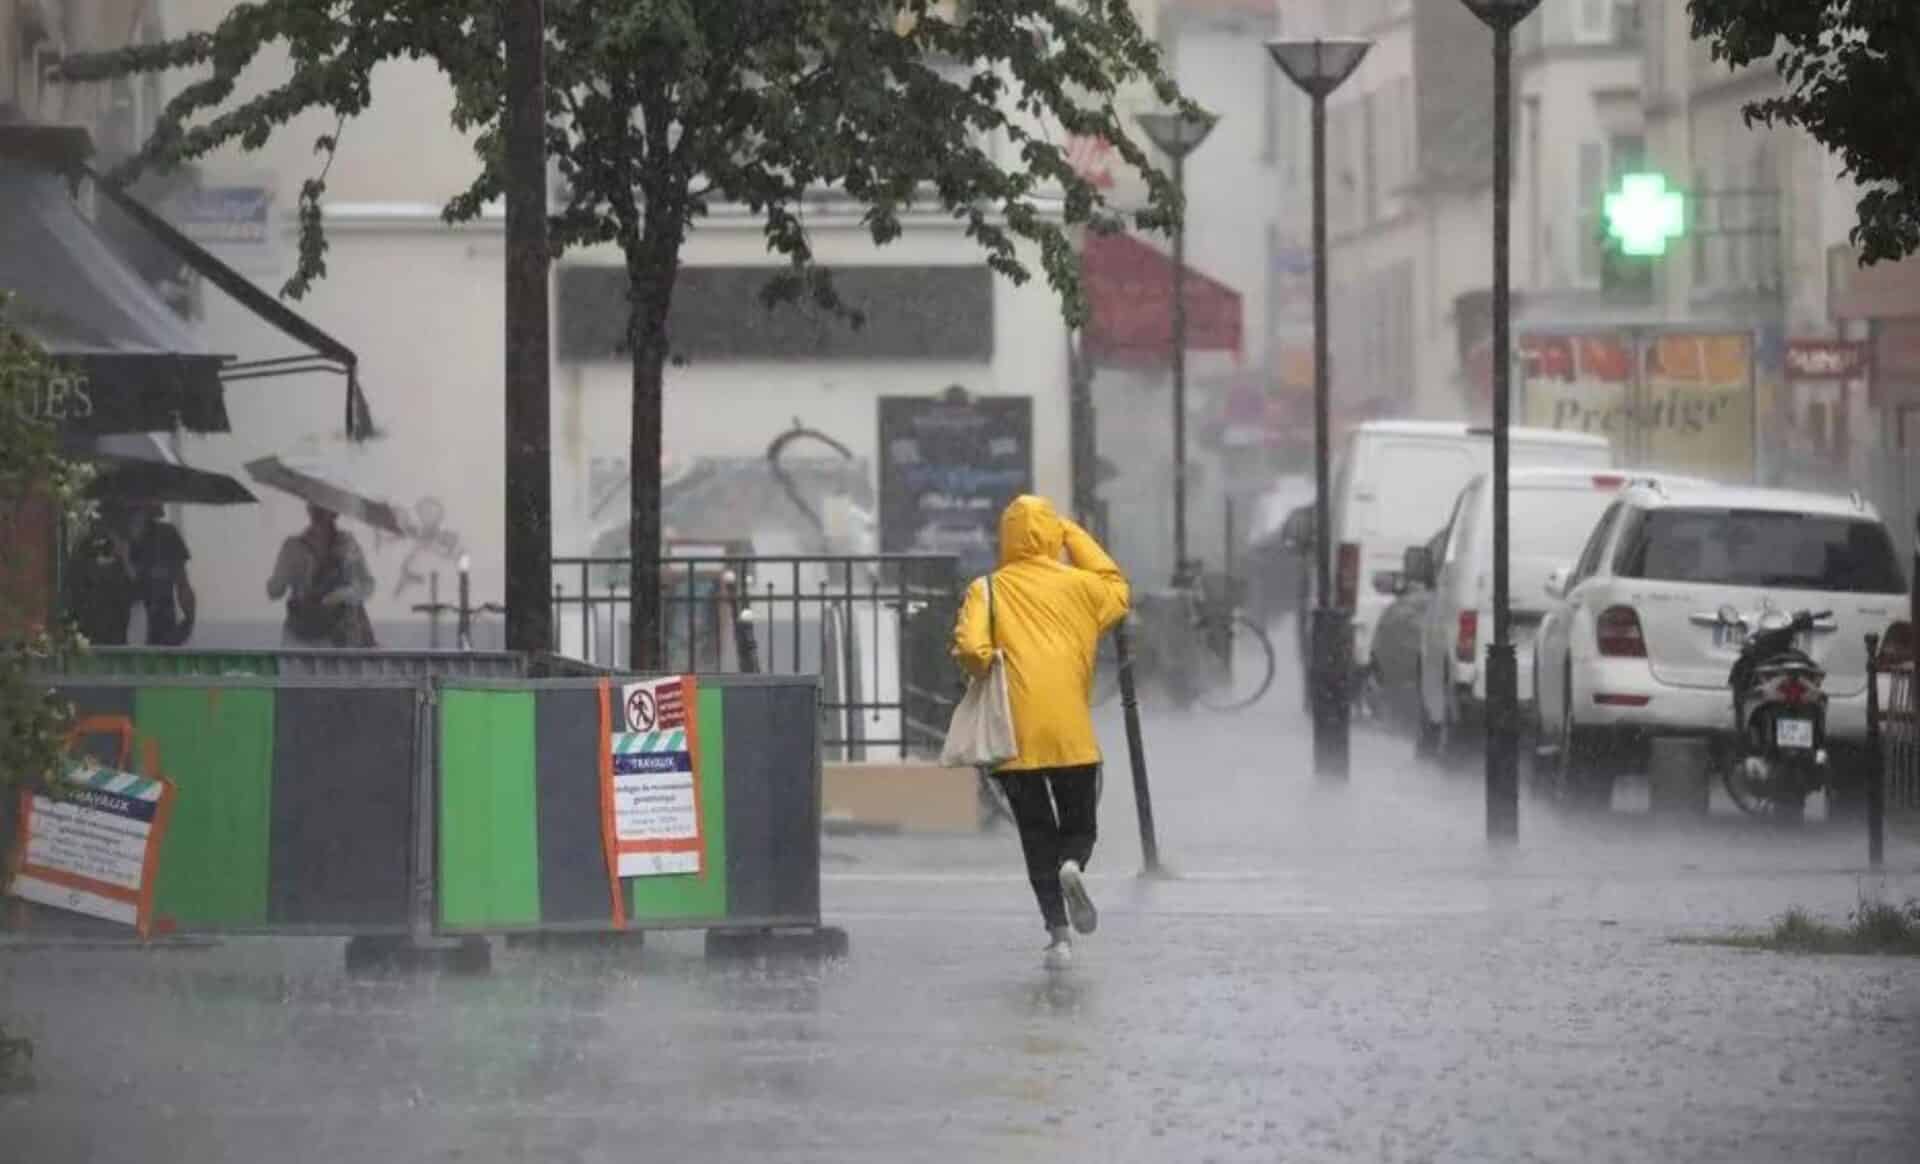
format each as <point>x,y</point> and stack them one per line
<point>137,662</point>
<point>218,749</point>
<point>489,862</point>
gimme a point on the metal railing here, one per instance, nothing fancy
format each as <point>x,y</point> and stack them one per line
<point>1900,739</point>
<point>873,627</point>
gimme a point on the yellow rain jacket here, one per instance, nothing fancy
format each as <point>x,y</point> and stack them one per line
<point>1048,617</point>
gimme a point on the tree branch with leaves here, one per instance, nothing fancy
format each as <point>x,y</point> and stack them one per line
<point>1851,71</point>
<point>39,490</point>
<point>658,109</point>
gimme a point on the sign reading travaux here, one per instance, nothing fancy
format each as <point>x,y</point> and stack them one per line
<point>653,795</point>
<point>93,847</point>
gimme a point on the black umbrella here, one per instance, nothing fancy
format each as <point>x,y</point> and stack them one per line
<point>138,467</point>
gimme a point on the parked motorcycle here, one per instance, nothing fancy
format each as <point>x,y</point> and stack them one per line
<point>1779,714</point>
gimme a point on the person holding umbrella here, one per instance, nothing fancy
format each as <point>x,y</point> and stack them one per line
<point>323,575</point>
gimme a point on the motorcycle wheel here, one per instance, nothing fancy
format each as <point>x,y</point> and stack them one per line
<point>1755,800</point>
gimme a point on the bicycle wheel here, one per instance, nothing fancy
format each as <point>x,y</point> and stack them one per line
<point>1239,680</point>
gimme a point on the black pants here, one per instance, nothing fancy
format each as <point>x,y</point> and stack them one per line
<point>1056,810</point>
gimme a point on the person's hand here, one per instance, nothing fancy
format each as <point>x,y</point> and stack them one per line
<point>338,597</point>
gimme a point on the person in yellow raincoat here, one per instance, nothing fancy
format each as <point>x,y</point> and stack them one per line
<point>1047,619</point>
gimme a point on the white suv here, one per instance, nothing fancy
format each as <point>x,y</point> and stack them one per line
<point>1633,648</point>
<point>1550,513</point>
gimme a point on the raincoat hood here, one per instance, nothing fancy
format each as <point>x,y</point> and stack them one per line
<point>1030,529</point>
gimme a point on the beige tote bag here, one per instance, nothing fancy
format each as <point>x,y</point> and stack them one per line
<point>981,732</point>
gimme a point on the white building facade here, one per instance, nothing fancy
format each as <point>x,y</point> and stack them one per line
<point>421,304</point>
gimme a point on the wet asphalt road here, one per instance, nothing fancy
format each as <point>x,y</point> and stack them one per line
<point>1338,974</point>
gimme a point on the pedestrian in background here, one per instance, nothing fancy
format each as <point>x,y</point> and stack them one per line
<point>1046,619</point>
<point>324,576</point>
<point>100,588</point>
<point>159,557</point>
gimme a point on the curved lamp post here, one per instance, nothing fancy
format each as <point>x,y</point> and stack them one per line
<point>1177,135</point>
<point>1318,67</point>
<point>1503,698</point>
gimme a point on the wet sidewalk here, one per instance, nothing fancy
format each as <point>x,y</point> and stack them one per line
<point>1338,974</point>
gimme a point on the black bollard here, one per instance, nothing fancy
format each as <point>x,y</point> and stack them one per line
<point>746,644</point>
<point>1876,765</point>
<point>1136,751</point>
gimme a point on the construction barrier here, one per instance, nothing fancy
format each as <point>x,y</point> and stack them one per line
<point>523,806</point>
<point>291,663</point>
<point>396,801</point>
<point>294,799</point>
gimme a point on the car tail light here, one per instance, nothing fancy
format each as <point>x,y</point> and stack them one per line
<point>1618,632</point>
<point>1347,575</point>
<point>1608,480</point>
<point>1469,636</point>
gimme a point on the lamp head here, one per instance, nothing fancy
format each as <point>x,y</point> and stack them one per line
<point>1318,66</point>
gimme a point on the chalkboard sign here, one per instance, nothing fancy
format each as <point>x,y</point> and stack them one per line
<point>948,466</point>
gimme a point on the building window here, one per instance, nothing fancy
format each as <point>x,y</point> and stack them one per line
<point>1654,46</point>
<point>1593,21</point>
<point>1601,168</point>
<point>1703,210</point>
<point>1591,198</point>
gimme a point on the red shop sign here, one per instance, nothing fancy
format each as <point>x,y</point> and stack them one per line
<point>1826,360</point>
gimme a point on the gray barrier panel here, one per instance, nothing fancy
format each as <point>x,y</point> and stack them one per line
<point>342,808</point>
<point>573,863</point>
<point>773,801</point>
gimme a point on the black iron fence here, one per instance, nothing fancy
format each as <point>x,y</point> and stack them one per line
<point>873,627</point>
<point>1900,738</point>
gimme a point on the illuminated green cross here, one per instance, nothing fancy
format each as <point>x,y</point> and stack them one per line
<point>1643,215</point>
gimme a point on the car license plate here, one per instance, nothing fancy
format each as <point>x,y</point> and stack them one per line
<point>1793,733</point>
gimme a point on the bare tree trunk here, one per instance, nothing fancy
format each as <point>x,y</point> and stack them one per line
<point>529,508</point>
<point>650,278</point>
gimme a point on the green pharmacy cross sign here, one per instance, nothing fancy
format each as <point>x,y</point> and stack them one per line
<point>1644,216</point>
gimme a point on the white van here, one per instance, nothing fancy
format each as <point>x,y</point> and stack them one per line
<point>1550,515</point>
<point>1396,488</point>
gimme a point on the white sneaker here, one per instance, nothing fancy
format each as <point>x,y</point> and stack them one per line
<point>1059,952</point>
<point>1080,911</point>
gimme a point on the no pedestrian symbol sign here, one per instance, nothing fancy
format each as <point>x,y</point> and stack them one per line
<point>642,716</point>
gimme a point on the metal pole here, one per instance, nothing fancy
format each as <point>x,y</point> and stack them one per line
<point>1503,775</point>
<point>1331,638</point>
<point>465,633</point>
<point>529,469</point>
<point>1180,373</point>
<point>1876,775</point>
<point>1136,752</point>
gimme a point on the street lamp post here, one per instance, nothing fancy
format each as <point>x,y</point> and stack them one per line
<point>1318,67</point>
<point>1177,135</point>
<point>1503,711</point>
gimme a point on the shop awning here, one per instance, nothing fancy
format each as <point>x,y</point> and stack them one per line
<point>135,365</point>
<point>1129,287</point>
